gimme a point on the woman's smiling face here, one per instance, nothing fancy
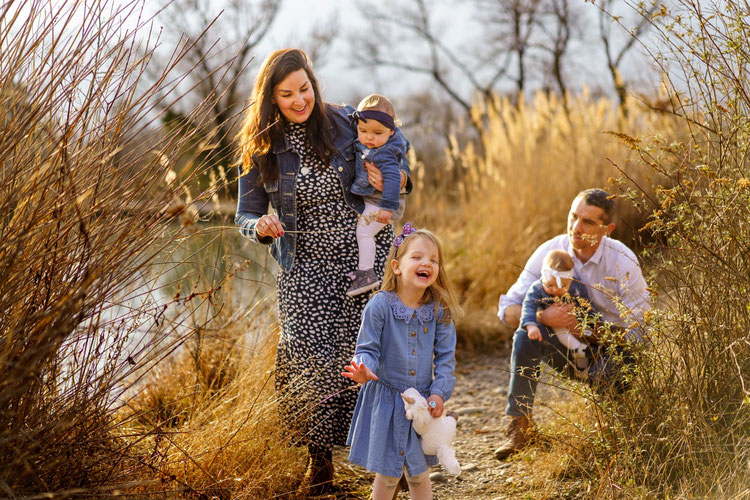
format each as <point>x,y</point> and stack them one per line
<point>295,97</point>
<point>419,265</point>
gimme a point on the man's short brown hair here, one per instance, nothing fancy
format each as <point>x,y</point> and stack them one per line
<point>599,198</point>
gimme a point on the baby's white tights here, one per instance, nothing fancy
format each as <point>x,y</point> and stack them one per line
<point>367,228</point>
<point>568,339</point>
<point>419,486</point>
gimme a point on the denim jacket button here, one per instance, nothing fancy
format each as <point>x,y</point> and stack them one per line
<point>413,334</point>
<point>411,372</point>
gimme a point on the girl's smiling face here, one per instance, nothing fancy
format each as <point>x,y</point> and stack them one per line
<point>295,96</point>
<point>418,266</point>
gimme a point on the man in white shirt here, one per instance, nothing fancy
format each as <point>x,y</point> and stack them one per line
<point>615,283</point>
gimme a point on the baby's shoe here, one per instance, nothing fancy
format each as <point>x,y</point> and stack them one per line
<point>363,281</point>
<point>581,362</point>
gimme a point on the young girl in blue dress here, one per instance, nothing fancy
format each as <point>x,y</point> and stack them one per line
<point>407,328</point>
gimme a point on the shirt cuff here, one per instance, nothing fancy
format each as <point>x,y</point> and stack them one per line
<point>246,227</point>
<point>444,390</point>
<point>501,313</point>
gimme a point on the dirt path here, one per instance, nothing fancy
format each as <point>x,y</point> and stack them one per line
<point>479,398</point>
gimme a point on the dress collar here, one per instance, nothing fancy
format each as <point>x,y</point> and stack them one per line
<point>424,313</point>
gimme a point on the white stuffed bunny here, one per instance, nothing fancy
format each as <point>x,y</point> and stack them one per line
<point>437,433</point>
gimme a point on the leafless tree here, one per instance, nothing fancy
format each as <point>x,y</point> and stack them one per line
<point>559,24</point>
<point>228,33</point>
<point>510,40</point>
<point>510,26</point>
<point>619,36</point>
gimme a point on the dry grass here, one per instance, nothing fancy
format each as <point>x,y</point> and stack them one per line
<point>89,202</point>
<point>90,210</point>
<point>207,423</point>
<point>494,208</point>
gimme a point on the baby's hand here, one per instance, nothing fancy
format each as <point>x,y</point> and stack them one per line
<point>437,409</point>
<point>534,332</point>
<point>384,216</point>
<point>359,373</point>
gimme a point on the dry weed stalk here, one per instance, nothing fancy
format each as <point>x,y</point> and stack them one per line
<point>495,207</point>
<point>86,197</point>
<point>683,428</point>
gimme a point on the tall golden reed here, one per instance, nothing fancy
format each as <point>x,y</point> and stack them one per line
<point>494,207</point>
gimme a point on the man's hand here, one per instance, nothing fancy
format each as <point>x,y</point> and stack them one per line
<point>359,373</point>
<point>560,316</point>
<point>534,332</point>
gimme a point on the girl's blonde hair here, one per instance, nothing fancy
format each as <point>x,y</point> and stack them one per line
<point>440,293</point>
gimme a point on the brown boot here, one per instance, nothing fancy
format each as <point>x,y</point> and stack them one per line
<point>319,475</point>
<point>518,434</point>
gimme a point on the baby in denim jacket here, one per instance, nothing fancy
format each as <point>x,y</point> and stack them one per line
<point>380,142</point>
<point>557,285</point>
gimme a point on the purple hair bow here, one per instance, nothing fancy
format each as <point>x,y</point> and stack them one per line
<point>406,231</point>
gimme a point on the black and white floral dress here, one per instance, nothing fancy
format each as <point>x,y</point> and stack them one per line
<point>319,322</point>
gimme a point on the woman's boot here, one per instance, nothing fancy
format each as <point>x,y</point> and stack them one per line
<point>319,474</point>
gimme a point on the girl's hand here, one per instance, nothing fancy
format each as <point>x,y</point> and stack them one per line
<point>269,225</point>
<point>439,406</point>
<point>359,373</point>
<point>534,332</point>
<point>384,216</point>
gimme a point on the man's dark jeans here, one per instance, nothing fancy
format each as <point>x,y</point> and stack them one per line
<point>527,356</point>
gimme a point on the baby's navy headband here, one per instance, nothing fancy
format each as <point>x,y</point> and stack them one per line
<point>380,116</point>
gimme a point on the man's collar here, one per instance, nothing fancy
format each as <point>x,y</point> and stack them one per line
<point>595,257</point>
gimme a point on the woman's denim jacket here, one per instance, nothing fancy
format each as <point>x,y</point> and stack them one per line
<point>252,201</point>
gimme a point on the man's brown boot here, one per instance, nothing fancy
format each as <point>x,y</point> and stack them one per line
<point>518,434</point>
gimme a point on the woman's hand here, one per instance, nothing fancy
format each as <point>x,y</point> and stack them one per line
<point>375,176</point>
<point>359,373</point>
<point>269,225</point>
<point>437,409</point>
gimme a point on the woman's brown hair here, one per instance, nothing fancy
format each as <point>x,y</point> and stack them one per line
<point>264,126</point>
<point>440,293</point>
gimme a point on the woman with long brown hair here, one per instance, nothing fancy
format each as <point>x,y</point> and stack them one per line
<point>298,154</point>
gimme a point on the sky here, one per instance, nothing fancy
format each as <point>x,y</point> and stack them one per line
<point>341,77</point>
<point>343,81</point>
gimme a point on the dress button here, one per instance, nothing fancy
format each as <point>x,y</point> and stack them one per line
<point>411,372</point>
<point>402,453</point>
<point>413,334</point>
<point>413,352</point>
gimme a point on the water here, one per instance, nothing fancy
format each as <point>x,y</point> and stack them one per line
<point>207,269</point>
